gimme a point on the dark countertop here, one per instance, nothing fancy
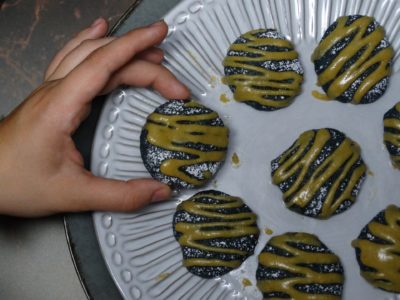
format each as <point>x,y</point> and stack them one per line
<point>33,31</point>
<point>35,262</point>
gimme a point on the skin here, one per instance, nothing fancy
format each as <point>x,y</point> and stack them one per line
<point>41,170</point>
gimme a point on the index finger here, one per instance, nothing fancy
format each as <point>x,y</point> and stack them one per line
<point>88,79</point>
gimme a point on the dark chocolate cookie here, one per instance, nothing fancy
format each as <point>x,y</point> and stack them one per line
<point>263,70</point>
<point>391,136</point>
<point>378,250</point>
<point>320,174</point>
<point>299,266</point>
<point>353,60</point>
<point>183,144</point>
<point>216,232</point>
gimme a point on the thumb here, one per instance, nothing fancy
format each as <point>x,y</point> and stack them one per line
<point>115,195</point>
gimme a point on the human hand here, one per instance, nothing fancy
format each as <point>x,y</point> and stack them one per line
<point>41,170</point>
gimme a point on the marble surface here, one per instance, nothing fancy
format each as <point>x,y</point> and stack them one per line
<point>35,262</point>
<point>33,31</point>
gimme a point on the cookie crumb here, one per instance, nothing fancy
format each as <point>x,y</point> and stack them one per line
<point>268,231</point>
<point>235,160</point>
<point>213,81</point>
<point>162,276</point>
<point>224,98</point>
<point>246,282</point>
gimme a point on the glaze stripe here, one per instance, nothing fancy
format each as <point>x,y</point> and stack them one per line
<point>263,70</point>
<point>378,250</point>
<point>321,166</point>
<point>353,57</point>
<point>391,136</point>
<point>299,266</point>
<point>198,137</point>
<point>215,230</point>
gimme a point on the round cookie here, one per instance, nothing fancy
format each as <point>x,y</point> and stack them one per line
<point>262,69</point>
<point>321,174</point>
<point>353,60</point>
<point>297,265</point>
<point>216,232</point>
<point>183,144</point>
<point>378,250</point>
<point>391,135</point>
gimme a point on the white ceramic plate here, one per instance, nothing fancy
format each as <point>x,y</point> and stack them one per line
<point>139,248</point>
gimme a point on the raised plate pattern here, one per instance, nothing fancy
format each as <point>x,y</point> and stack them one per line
<point>140,251</point>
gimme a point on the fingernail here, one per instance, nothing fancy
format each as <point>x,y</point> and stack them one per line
<point>158,23</point>
<point>96,22</point>
<point>161,195</point>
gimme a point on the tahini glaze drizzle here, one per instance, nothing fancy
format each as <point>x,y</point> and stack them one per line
<point>267,83</point>
<point>233,225</point>
<point>176,132</point>
<point>382,258</point>
<point>298,159</point>
<point>391,136</point>
<point>298,261</point>
<point>340,82</point>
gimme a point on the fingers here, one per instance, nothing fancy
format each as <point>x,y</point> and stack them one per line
<point>97,30</point>
<point>95,193</point>
<point>155,55</point>
<point>92,75</point>
<point>100,65</point>
<point>76,56</point>
<point>142,73</point>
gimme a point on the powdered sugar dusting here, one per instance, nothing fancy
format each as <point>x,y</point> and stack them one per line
<point>284,66</point>
<point>154,156</point>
